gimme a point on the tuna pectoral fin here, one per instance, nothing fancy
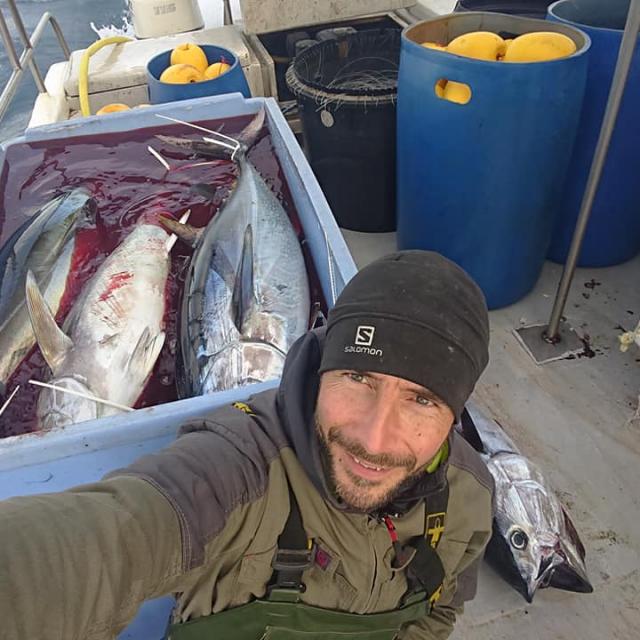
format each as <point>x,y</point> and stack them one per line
<point>185,232</point>
<point>53,342</point>
<point>146,352</point>
<point>244,296</point>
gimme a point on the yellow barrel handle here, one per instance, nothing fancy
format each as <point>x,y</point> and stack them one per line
<point>83,79</point>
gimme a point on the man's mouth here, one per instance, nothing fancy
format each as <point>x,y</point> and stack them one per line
<point>365,469</point>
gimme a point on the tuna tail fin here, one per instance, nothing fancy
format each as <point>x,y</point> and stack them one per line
<point>244,295</point>
<point>53,342</point>
<point>216,144</point>
<point>184,231</point>
<point>146,352</point>
<point>249,135</point>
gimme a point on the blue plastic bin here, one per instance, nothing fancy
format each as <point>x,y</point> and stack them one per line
<point>62,458</point>
<point>231,81</point>
<point>613,232</point>
<point>480,182</point>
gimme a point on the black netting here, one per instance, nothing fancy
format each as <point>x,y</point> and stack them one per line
<point>362,64</point>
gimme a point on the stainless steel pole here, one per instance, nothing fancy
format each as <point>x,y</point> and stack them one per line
<point>19,25</point>
<point>627,48</point>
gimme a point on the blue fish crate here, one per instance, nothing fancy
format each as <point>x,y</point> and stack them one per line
<point>55,460</point>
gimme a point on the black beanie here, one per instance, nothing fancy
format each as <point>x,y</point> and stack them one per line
<point>414,315</point>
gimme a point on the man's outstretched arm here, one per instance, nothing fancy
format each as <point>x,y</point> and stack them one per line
<point>79,563</point>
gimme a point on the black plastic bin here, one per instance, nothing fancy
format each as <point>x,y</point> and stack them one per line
<point>346,91</point>
<point>527,8</point>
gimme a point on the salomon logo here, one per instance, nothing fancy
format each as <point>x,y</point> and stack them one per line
<point>364,335</point>
<point>363,342</point>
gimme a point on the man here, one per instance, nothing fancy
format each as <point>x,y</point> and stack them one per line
<point>341,505</point>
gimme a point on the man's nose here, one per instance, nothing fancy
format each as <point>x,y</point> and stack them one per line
<point>380,425</point>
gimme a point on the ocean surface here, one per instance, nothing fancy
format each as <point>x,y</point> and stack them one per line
<point>82,22</point>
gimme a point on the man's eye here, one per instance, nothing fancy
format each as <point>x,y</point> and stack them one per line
<point>424,401</point>
<point>356,377</point>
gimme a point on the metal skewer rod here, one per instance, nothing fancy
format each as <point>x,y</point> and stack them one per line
<point>627,48</point>
<point>199,128</point>
<point>86,396</point>
<point>8,400</point>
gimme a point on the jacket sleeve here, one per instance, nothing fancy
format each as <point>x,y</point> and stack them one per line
<point>76,565</point>
<point>79,563</point>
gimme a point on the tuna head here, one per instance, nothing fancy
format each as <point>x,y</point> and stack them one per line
<point>59,409</point>
<point>534,544</point>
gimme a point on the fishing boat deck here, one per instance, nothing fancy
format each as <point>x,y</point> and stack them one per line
<point>577,419</point>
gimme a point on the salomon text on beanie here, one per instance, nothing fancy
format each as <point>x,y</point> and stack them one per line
<point>415,315</point>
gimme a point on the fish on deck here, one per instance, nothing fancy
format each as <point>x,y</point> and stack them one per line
<point>534,543</point>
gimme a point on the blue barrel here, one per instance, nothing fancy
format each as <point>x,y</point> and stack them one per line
<point>613,232</point>
<point>480,182</point>
<point>231,81</point>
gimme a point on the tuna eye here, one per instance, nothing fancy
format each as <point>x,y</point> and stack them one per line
<point>519,540</point>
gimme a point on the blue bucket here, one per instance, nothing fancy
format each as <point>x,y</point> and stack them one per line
<point>613,232</point>
<point>231,81</point>
<point>480,182</point>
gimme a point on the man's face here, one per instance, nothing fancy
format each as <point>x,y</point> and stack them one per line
<point>378,432</point>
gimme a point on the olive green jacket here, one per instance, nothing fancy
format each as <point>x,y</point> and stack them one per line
<point>201,519</point>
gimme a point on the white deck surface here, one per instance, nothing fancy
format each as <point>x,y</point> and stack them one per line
<point>575,418</point>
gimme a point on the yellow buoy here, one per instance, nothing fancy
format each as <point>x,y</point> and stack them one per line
<point>434,45</point>
<point>457,92</point>
<point>481,45</point>
<point>216,69</point>
<point>114,107</point>
<point>189,53</point>
<point>181,74</point>
<point>538,46</point>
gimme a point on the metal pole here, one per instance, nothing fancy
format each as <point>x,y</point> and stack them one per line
<point>627,48</point>
<point>17,20</point>
<point>228,18</point>
<point>8,42</point>
<point>10,88</point>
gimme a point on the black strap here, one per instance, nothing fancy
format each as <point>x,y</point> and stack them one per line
<point>426,572</point>
<point>294,555</point>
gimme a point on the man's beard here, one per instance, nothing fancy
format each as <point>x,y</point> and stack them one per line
<point>359,492</point>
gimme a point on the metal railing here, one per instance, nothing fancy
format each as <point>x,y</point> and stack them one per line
<point>25,60</point>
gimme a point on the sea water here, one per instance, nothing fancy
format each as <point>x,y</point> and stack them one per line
<point>82,22</point>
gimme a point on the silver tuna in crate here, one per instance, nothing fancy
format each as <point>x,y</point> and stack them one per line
<point>246,296</point>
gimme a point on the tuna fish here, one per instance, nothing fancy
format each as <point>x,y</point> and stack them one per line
<point>246,295</point>
<point>534,543</point>
<point>113,334</point>
<point>44,245</point>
